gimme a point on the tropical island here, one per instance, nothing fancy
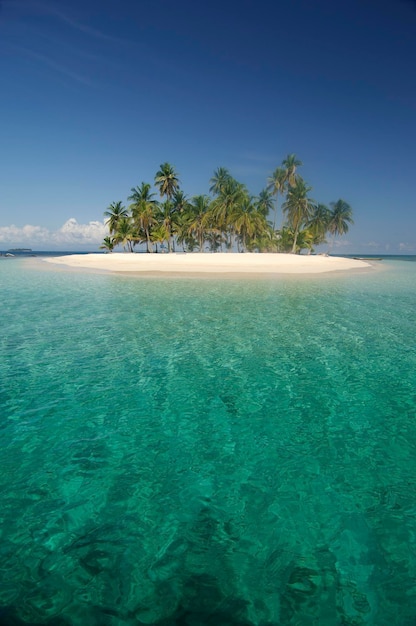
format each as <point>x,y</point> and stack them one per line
<point>230,219</point>
<point>228,222</point>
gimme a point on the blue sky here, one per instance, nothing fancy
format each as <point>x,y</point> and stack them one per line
<point>96,94</point>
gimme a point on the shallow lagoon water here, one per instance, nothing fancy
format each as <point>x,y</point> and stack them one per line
<point>182,451</point>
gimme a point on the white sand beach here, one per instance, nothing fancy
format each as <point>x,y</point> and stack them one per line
<point>206,263</point>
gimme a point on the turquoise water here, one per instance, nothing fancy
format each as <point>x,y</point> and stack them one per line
<point>177,451</point>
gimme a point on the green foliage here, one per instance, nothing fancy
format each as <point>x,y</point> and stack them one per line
<point>115,212</point>
<point>108,244</point>
<point>290,164</point>
<point>277,185</point>
<point>230,219</point>
<point>143,212</point>
<point>340,218</point>
<point>264,202</point>
<point>126,234</point>
<point>298,208</point>
<point>219,180</point>
<point>285,239</point>
<point>166,180</point>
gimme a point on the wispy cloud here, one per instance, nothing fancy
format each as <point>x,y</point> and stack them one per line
<point>342,243</point>
<point>46,60</point>
<point>71,233</point>
<point>388,247</point>
<point>43,8</point>
<point>71,48</point>
<point>407,247</point>
<point>83,28</point>
<point>52,39</point>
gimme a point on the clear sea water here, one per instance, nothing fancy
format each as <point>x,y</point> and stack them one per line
<point>221,452</point>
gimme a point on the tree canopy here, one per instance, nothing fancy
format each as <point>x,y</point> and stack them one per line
<point>230,218</point>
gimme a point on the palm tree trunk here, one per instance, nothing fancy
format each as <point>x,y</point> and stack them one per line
<point>230,242</point>
<point>295,240</point>
<point>149,247</point>
<point>275,214</point>
<point>331,245</point>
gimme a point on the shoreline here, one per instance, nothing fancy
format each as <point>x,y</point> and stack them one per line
<point>218,263</point>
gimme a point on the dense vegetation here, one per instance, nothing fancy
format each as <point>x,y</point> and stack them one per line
<point>229,219</point>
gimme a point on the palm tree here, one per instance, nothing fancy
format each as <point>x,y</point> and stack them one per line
<point>159,234</point>
<point>306,239</point>
<point>233,217</point>
<point>143,210</point>
<point>126,235</point>
<point>285,239</point>
<point>340,219</point>
<point>108,244</point>
<point>197,225</point>
<point>298,208</point>
<point>219,180</point>
<point>142,195</point>
<point>215,239</point>
<point>231,196</point>
<point>264,202</point>
<point>166,179</point>
<point>180,201</point>
<point>115,212</point>
<point>180,207</point>
<point>277,184</point>
<point>248,222</point>
<point>165,218</point>
<point>290,163</point>
<point>266,241</point>
<point>318,223</point>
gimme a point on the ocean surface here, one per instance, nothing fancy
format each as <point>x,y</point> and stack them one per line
<point>207,452</point>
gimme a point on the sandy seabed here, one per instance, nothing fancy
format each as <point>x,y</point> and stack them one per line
<point>209,263</point>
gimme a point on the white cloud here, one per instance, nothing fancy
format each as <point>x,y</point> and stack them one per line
<point>12,234</point>
<point>406,247</point>
<point>71,233</point>
<point>341,243</point>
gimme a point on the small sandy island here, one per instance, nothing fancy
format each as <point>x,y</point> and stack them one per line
<point>206,263</point>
